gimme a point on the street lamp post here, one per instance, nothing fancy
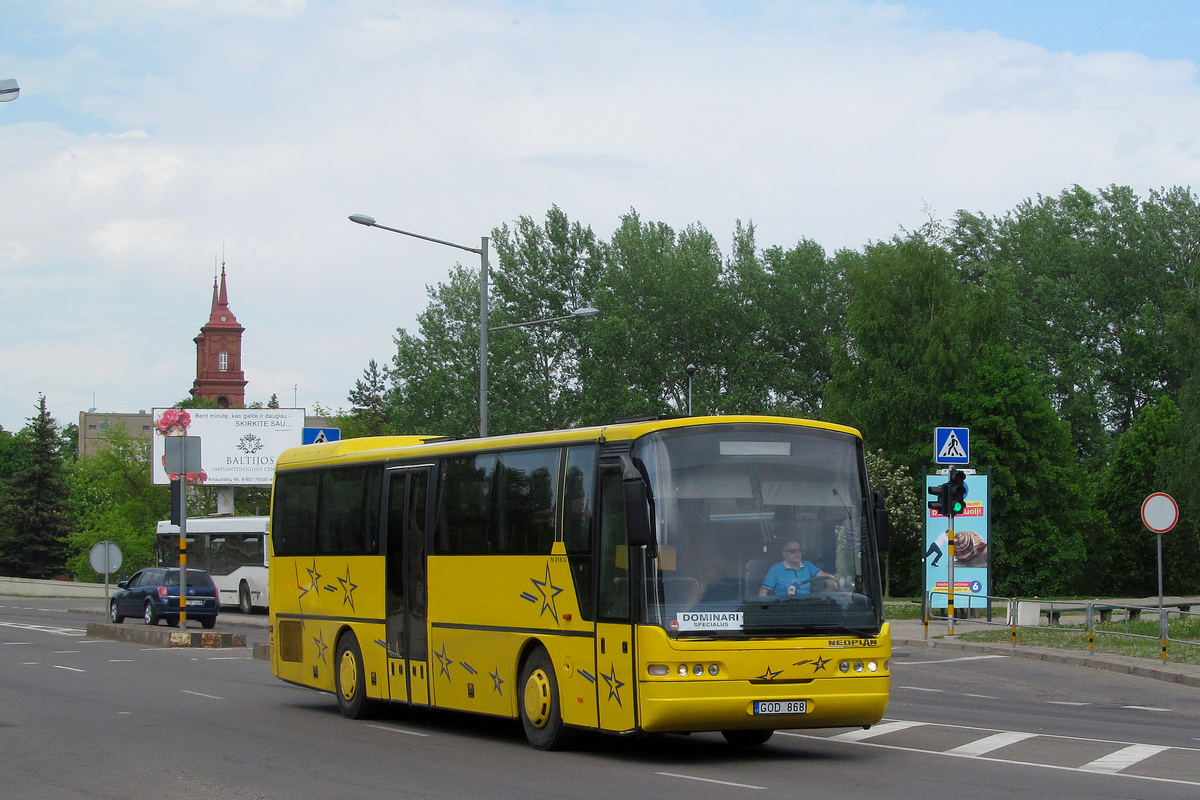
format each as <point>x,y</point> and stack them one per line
<point>482,250</point>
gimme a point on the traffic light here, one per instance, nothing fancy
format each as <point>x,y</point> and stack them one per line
<point>942,504</point>
<point>956,494</point>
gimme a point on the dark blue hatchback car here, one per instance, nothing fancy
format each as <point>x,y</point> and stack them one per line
<point>153,594</point>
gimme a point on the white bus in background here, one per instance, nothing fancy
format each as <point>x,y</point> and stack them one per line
<point>234,550</point>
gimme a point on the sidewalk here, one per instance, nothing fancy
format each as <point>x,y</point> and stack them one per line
<point>911,633</point>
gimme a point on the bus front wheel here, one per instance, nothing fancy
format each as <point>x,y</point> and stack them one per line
<point>350,679</point>
<point>541,714</point>
<point>749,738</point>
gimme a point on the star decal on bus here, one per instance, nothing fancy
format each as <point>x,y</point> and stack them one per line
<point>548,591</point>
<point>497,681</point>
<point>818,663</point>
<point>321,646</point>
<point>348,588</point>
<point>770,674</point>
<point>313,578</point>
<point>444,661</point>
<point>614,684</point>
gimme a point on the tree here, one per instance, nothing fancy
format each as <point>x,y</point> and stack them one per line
<point>664,306</point>
<point>34,507</point>
<point>435,373</point>
<point>901,564</point>
<point>368,405</point>
<point>545,271</point>
<point>113,498</point>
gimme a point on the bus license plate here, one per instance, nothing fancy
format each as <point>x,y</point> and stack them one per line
<point>196,602</point>
<point>780,706</point>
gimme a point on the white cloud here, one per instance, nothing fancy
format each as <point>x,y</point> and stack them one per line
<point>150,138</point>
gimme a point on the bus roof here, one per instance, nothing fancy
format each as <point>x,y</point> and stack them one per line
<point>375,448</point>
<point>224,524</point>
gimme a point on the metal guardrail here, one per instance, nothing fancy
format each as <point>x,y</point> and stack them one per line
<point>1177,624</point>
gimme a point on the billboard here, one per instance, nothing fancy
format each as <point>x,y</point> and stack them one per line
<point>238,446</point>
<point>971,550</point>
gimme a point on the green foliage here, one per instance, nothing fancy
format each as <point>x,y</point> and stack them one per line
<point>112,498</point>
<point>33,507</point>
<point>1055,332</point>
<point>901,565</point>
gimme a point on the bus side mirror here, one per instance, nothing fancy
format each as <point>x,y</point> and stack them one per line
<point>883,524</point>
<point>638,529</point>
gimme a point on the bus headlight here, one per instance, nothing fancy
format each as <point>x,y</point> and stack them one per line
<point>858,666</point>
<point>658,670</point>
<point>844,666</point>
<point>872,666</point>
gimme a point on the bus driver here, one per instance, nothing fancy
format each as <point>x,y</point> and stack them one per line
<point>793,575</point>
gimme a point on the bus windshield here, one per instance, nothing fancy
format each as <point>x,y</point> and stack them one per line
<point>762,531</point>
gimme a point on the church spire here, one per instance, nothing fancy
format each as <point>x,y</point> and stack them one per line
<point>219,374</point>
<point>221,316</point>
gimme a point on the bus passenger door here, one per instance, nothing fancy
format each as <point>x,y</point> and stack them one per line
<point>407,523</point>
<point>615,676</point>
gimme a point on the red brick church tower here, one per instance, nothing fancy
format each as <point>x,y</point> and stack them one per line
<point>219,373</point>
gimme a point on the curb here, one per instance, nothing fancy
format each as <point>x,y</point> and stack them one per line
<point>164,637</point>
<point>1125,666</point>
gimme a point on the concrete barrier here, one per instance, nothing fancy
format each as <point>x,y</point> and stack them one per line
<point>157,636</point>
<point>34,587</point>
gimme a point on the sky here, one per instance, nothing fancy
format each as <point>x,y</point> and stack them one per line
<point>155,139</point>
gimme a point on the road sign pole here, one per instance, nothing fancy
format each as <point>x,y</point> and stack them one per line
<point>950,574</point>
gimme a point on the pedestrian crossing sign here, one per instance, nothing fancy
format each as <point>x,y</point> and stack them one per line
<point>952,446</point>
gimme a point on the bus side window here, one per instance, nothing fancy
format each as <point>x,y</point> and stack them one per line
<point>525,511</point>
<point>580,500</point>
<point>614,550</point>
<point>465,506</point>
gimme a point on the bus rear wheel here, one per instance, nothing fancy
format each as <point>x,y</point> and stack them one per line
<point>350,680</point>
<point>540,707</point>
<point>244,603</point>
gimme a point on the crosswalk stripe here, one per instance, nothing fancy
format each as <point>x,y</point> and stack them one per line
<point>1125,757</point>
<point>877,730</point>
<point>989,743</point>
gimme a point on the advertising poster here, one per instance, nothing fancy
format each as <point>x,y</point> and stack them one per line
<point>238,446</point>
<point>970,547</point>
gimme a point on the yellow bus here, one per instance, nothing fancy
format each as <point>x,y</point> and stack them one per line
<point>671,575</point>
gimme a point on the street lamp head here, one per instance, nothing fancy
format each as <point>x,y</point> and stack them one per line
<point>9,90</point>
<point>362,219</point>
<point>585,312</point>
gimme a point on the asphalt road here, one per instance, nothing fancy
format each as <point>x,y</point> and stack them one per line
<point>93,718</point>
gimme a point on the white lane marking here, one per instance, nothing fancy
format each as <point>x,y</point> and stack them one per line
<point>1147,708</point>
<point>989,743</point>
<point>64,652</point>
<point>920,689</point>
<point>949,660</point>
<point>1125,757</point>
<point>877,730</point>
<point>709,780</point>
<point>25,626</point>
<point>17,642</point>
<point>72,669</point>
<point>120,661</point>
<point>396,730</point>
<point>982,696</point>
<point>1064,703</point>
<point>201,694</point>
